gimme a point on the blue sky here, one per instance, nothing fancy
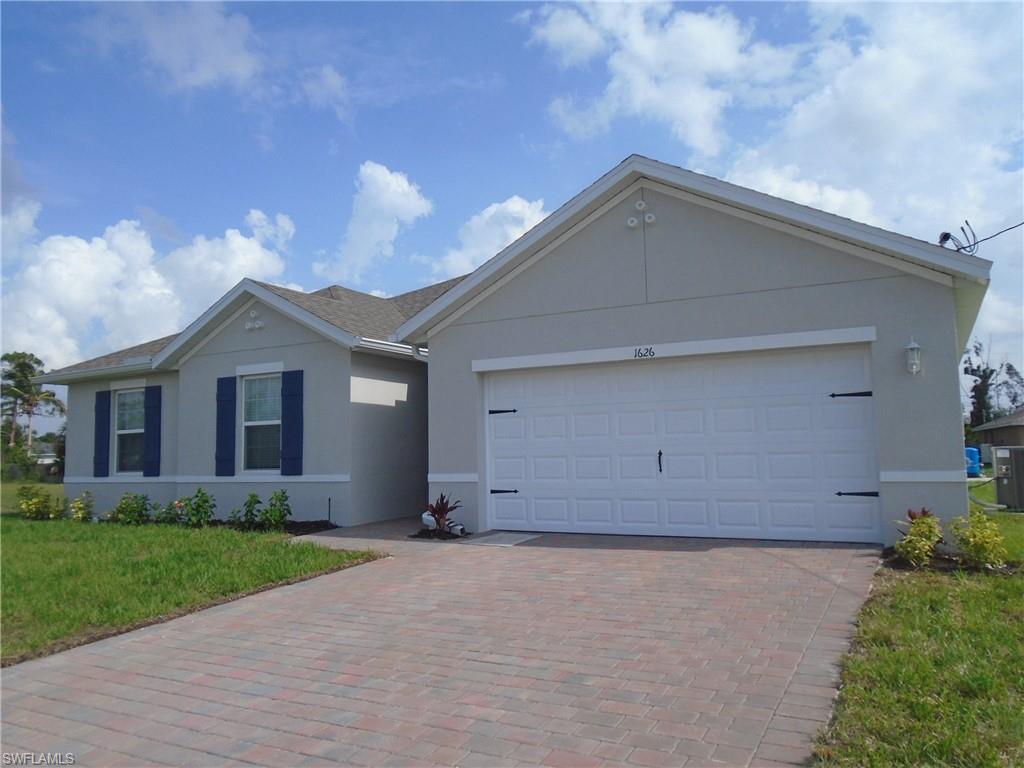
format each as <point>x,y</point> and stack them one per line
<point>155,154</point>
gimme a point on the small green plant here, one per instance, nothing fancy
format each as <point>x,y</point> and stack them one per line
<point>924,532</point>
<point>275,515</point>
<point>980,541</point>
<point>131,509</point>
<point>198,509</point>
<point>34,503</point>
<point>82,508</point>
<point>169,514</point>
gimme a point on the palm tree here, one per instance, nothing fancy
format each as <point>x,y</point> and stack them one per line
<point>22,396</point>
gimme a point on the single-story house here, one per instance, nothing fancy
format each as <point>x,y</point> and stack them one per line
<point>270,388</point>
<point>1006,430</point>
<point>665,354</point>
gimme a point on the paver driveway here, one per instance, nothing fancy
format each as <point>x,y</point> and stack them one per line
<point>564,651</point>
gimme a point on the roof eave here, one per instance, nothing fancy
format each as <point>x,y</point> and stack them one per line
<point>105,372</point>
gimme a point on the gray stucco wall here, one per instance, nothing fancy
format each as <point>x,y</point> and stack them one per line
<point>389,437</point>
<point>699,274</point>
<point>390,476</point>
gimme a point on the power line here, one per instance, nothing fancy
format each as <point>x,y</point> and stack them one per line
<point>970,241</point>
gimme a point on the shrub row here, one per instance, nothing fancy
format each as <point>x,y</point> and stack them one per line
<point>978,539</point>
<point>196,511</point>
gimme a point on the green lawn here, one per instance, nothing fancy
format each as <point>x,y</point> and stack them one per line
<point>65,583</point>
<point>9,494</point>
<point>936,674</point>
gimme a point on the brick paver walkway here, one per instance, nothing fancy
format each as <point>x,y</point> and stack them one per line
<point>565,651</point>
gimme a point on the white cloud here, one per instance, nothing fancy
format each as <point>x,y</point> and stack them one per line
<point>385,202</point>
<point>326,88</point>
<point>188,45</point>
<point>72,298</point>
<point>487,232</point>
<point>677,67</point>
<point>277,232</point>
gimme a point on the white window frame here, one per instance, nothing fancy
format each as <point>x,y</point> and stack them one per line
<point>118,432</point>
<point>244,424</point>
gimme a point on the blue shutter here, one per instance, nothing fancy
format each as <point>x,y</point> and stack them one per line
<point>291,423</point>
<point>151,444</point>
<point>101,436</point>
<point>225,453</point>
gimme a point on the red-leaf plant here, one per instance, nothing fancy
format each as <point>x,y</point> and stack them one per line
<point>440,510</point>
<point>912,515</point>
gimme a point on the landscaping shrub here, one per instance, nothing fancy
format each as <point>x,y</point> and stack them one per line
<point>170,514</point>
<point>924,531</point>
<point>440,510</point>
<point>131,509</point>
<point>980,541</point>
<point>248,519</point>
<point>275,515</point>
<point>198,509</point>
<point>82,508</point>
<point>36,504</point>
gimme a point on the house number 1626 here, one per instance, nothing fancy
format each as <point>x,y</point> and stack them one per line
<point>643,352</point>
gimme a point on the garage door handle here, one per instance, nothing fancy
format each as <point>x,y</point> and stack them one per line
<point>659,461</point>
<point>857,493</point>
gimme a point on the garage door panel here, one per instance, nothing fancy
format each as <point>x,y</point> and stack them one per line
<point>751,446</point>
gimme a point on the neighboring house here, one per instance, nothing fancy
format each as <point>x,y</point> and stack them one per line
<point>44,454</point>
<point>270,388</point>
<point>669,354</point>
<point>666,354</point>
<point>1006,430</point>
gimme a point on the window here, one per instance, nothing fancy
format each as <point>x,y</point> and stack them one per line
<point>261,421</point>
<point>130,427</point>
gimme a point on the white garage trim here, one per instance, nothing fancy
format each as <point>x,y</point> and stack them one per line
<point>682,349</point>
<point>928,476</point>
<point>453,477</point>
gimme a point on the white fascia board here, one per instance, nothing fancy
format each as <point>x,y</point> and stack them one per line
<point>142,366</point>
<point>645,352</point>
<point>168,355</point>
<point>900,247</point>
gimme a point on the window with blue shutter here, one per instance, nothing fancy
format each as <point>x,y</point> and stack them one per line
<point>291,423</point>
<point>225,448</point>
<point>151,436</point>
<point>101,436</point>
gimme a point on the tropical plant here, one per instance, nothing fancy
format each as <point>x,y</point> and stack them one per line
<point>996,390</point>
<point>924,532</point>
<point>275,515</point>
<point>131,509</point>
<point>980,541</point>
<point>441,509</point>
<point>82,508</point>
<point>169,514</point>
<point>198,509</point>
<point>21,396</point>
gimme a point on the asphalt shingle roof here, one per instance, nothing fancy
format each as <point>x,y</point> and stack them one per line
<point>361,314</point>
<point>1015,419</point>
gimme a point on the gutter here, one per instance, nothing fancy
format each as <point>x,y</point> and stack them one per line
<point>94,373</point>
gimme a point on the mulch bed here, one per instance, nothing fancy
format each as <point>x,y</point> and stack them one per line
<point>945,564</point>
<point>303,527</point>
<point>426,533</point>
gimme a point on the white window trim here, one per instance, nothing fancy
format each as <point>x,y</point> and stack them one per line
<point>245,471</point>
<point>118,432</point>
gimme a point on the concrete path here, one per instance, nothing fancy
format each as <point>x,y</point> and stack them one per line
<point>563,651</point>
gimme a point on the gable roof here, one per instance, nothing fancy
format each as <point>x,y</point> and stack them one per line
<point>968,274</point>
<point>349,317</point>
<point>1015,419</point>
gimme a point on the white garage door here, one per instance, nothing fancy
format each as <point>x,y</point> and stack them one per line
<point>741,446</point>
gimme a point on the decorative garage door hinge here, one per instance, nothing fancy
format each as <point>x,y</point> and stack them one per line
<point>857,493</point>
<point>864,393</point>
<point>504,490</point>
<point>492,411</point>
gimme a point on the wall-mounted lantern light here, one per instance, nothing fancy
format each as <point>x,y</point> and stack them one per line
<point>913,350</point>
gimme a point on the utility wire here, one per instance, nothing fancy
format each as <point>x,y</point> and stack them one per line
<point>997,234</point>
<point>970,241</point>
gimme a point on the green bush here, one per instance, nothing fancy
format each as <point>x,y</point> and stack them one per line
<point>917,546</point>
<point>82,508</point>
<point>278,510</point>
<point>35,503</point>
<point>249,517</point>
<point>980,540</point>
<point>131,509</point>
<point>170,514</point>
<point>198,509</point>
